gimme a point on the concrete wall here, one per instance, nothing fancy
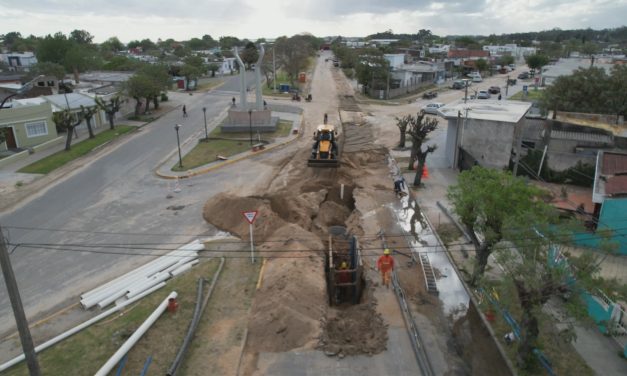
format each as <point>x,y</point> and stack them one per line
<point>236,117</point>
<point>17,118</point>
<point>490,142</point>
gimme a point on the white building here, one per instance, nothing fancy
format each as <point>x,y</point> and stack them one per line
<point>395,60</point>
<point>510,49</point>
<point>439,48</point>
<point>19,61</point>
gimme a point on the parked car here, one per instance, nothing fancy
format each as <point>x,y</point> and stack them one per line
<point>494,90</point>
<point>460,84</point>
<point>523,75</point>
<point>483,94</point>
<point>432,108</point>
<point>430,95</point>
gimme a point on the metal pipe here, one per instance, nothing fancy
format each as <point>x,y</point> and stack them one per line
<point>115,358</point>
<point>80,327</point>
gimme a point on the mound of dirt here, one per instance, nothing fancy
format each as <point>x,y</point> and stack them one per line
<point>292,298</point>
<point>224,212</point>
<point>354,330</point>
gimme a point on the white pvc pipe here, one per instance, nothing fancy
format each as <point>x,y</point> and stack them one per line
<point>112,298</point>
<point>183,268</point>
<point>192,246</point>
<point>137,289</point>
<point>132,278</point>
<point>108,366</point>
<point>78,328</point>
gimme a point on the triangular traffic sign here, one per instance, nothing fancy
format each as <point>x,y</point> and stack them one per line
<point>250,216</point>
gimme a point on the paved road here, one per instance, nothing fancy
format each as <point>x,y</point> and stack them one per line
<point>116,199</point>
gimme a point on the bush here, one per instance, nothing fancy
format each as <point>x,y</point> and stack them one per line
<point>164,97</point>
<point>349,73</point>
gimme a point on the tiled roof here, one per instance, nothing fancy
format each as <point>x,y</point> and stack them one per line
<point>614,163</point>
<point>616,185</point>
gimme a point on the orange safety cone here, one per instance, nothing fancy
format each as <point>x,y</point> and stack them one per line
<point>425,172</point>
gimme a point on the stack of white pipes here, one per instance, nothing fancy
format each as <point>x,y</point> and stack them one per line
<point>155,273</point>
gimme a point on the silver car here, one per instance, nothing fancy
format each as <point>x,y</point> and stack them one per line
<point>432,108</point>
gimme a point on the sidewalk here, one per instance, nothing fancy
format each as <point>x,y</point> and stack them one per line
<point>597,350</point>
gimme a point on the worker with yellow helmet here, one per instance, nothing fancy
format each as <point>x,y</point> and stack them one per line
<point>385,264</point>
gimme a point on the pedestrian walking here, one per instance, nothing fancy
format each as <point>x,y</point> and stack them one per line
<point>499,96</point>
<point>265,105</point>
<point>184,111</point>
<point>385,264</point>
<point>233,101</point>
<point>326,117</point>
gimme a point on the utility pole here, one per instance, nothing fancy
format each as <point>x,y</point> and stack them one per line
<point>18,310</point>
<point>465,91</point>
<point>506,86</point>
<point>273,70</point>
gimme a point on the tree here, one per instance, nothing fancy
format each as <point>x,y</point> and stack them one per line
<point>111,45</point>
<point>213,68</point>
<point>110,108</point>
<point>506,60</point>
<point>53,49</point>
<point>402,124</point>
<point>67,120</point>
<point>11,40</point>
<point>487,201</point>
<point>121,63</point>
<point>419,129</point>
<point>46,69</point>
<point>617,95</point>
<point>372,70</point>
<point>88,113</point>
<point>589,49</point>
<point>536,61</point>
<point>586,90</point>
<point>158,75</point>
<point>250,54</point>
<point>292,54</point>
<point>140,86</point>
<point>81,37</point>
<point>227,42</point>
<point>78,59</point>
<point>193,68</point>
<point>482,65</point>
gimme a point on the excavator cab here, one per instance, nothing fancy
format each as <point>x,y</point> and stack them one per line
<point>325,151</point>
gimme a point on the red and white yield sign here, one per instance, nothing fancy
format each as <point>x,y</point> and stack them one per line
<point>250,216</point>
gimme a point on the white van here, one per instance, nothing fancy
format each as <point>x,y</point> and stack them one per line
<point>475,76</point>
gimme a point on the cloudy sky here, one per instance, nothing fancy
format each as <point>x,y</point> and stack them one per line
<point>184,19</point>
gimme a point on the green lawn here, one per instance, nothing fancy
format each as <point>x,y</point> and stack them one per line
<point>532,95</point>
<point>59,159</point>
<point>85,352</point>
<point>227,145</point>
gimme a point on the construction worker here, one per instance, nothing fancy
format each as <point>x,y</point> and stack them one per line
<point>385,264</point>
<point>343,276</point>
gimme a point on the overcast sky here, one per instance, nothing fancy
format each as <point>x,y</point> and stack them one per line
<point>185,19</point>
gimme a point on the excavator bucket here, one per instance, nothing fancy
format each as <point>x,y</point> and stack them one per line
<point>323,162</point>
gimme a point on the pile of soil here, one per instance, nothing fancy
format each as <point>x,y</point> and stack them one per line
<point>354,330</point>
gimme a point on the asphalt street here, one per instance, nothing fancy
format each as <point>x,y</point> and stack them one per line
<point>114,200</point>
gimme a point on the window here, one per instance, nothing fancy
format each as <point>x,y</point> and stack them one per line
<point>36,128</point>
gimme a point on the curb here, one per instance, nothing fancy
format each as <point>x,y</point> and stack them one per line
<point>204,170</point>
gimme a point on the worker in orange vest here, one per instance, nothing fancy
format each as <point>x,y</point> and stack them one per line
<point>385,264</point>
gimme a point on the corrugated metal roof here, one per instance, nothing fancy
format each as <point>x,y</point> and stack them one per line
<point>616,185</point>
<point>614,163</point>
<point>580,136</point>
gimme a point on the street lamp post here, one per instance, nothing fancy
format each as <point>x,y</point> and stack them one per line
<point>250,124</point>
<point>204,113</point>
<point>178,143</point>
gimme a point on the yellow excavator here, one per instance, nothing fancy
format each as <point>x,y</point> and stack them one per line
<point>325,151</point>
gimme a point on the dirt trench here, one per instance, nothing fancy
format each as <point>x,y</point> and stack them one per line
<point>290,309</point>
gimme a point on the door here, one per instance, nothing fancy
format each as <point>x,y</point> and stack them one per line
<point>10,138</point>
